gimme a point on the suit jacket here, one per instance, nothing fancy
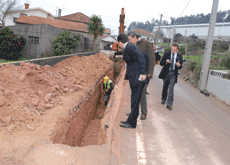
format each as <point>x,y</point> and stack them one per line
<point>135,60</point>
<point>166,66</point>
<point>146,47</point>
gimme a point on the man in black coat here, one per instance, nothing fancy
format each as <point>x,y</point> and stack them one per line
<point>171,62</point>
<point>136,73</point>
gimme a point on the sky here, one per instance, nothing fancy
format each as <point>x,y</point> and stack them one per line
<point>141,11</point>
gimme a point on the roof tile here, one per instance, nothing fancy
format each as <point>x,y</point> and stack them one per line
<point>76,17</point>
<point>144,32</point>
<point>32,20</point>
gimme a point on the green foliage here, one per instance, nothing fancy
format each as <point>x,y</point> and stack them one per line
<point>182,49</point>
<point>225,60</point>
<point>95,27</point>
<point>64,43</point>
<point>197,71</point>
<point>11,45</point>
<point>167,49</point>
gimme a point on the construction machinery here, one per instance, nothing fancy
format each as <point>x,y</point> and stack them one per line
<point>114,46</point>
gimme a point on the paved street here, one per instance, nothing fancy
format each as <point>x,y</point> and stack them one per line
<point>195,132</point>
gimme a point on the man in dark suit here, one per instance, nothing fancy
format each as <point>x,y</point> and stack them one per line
<point>171,62</point>
<point>136,74</point>
<point>147,49</point>
<point>157,56</point>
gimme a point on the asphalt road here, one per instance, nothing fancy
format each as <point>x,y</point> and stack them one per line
<point>195,132</point>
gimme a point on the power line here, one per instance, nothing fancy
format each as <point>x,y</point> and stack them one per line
<point>175,23</point>
<point>184,8</point>
<point>174,7</point>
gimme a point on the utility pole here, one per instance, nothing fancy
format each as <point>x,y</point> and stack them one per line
<point>186,46</point>
<point>208,47</point>
<point>159,32</point>
<point>173,32</point>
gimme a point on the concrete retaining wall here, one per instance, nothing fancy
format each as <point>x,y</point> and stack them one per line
<point>219,86</point>
<point>51,61</point>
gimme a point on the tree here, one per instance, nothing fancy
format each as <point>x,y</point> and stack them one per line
<point>132,26</point>
<point>95,27</point>
<point>177,35</point>
<point>64,43</point>
<point>6,7</point>
<point>156,33</point>
<point>11,45</point>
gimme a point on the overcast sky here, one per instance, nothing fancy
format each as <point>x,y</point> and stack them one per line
<point>142,10</point>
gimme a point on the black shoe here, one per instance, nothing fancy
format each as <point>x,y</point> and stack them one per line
<point>127,114</point>
<point>163,102</point>
<point>124,122</point>
<point>127,126</point>
<point>169,107</point>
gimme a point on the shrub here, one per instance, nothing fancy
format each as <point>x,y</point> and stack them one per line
<point>197,71</point>
<point>11,45</point>
<point>167,49</point>
<point>64,43</point>
<point>182,49</point>
<point>225,60</point>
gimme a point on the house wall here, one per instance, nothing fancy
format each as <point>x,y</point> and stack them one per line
<point>200,30</point>
<point>45,33</point>
<point>39,13</point>
<point>104,45</point>
<point>145,36</point>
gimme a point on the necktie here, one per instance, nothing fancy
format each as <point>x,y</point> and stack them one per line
<point>172,63</point>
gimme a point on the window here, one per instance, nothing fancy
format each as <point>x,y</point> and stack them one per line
<point>34,39</point>
<point>15,19</point>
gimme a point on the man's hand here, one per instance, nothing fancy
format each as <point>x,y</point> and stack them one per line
<point>168,61</point>
<point>178,63</point>
<point>143,77</point>
<point>106,90</point>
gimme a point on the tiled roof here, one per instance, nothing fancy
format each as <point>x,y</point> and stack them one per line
<point>144,32</point>
<point>107,31</point>
<point>32,20</point>
<point>76,17</point>
<point>104,36</point>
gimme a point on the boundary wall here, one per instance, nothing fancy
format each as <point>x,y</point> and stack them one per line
<point>51,61</point>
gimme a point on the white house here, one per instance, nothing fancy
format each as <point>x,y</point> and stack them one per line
<point>12,17</point>
<point>106,41</point>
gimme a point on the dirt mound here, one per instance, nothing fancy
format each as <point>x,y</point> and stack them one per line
<point>29,90</point>
<point>84,70</point>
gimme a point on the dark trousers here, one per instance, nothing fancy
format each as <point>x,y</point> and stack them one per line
<point>106,102</point>
<point>143,100</point>
<point>136,91</point>
<point>168,86</point>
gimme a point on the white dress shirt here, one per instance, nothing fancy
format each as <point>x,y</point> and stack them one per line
<point>125,45</point>
<point>175,56</point>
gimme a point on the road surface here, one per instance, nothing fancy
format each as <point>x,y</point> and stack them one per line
<point>195,132</point>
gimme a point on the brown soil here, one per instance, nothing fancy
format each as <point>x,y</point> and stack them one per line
<point>33,96</point>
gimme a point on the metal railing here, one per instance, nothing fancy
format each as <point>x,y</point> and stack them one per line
<point>219,74</point>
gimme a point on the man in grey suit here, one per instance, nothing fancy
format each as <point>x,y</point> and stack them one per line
<point>146,47</point>
<point>171,62</point>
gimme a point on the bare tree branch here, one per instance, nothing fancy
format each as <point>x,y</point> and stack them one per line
<point>7,7</point>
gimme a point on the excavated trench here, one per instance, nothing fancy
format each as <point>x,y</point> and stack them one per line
<point>82,126</point>
<point>66,117</point>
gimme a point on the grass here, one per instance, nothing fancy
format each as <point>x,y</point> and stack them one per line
<point>165,44</point>
<point>20,59</point>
